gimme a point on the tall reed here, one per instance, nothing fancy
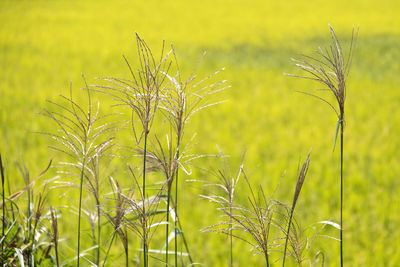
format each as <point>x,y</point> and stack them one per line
<point>142,96</point>
<point>85,137</point>
<point>331,68</point>
<point>181,102</point>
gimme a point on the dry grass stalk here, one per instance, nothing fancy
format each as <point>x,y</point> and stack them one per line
<point>330,67</point>
<point>54,239</point>
<point>117,221</point>
<point>140,213</point>
<point>142,94</point>
<point>86,138</point>
<point>227,183</point>
<point>300,180</point>
<point>183,99</point>
<point>255,222</point>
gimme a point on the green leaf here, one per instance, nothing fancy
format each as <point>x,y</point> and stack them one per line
<point>171,236</point>
<point>336,133</point>
<point>20,257</point>
<point>337,226</point>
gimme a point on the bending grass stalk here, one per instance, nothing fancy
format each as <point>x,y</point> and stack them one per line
<point>299,185</point>
<point>108,250</point>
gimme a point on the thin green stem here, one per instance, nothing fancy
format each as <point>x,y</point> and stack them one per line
<point>176,211</point>
<point>108,250</point>
<point>184,238</point>
<point>29,220</point>
<point>98,233</point>
<point>167,226</point>
<point>287,236</point>
<point>230,234</point>
<point>185,243</point>
<point>126,249</point>
<point>144,204</point>
<point>341,192</point>
<point>266,258</point>
<point>4,205</point>
<point>80,212</point>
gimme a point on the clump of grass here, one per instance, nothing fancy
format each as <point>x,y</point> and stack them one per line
<point>25,240</point>
<point>253,223</point>
<point>86,138</point>
<point>264,220</point>
<point>330,67</point>
<point>256,221</point>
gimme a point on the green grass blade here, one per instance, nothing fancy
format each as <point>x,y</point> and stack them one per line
<point>336,133</point>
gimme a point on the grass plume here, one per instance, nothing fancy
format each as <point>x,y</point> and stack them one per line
<point>181,102</point>
<point>142,95</point>
<point>227,183</point>
<point>300,180</point>
<point>330,67</point>
<point>85,137</point>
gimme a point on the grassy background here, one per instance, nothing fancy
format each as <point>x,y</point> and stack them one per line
<point>46,44</point>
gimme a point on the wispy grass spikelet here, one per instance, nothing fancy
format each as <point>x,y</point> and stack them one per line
<point>300,180</point>
<point>330,67</point>
<point>184,99</point>
<point>85,137</point>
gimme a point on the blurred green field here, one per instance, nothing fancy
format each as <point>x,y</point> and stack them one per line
<point>46,44</point>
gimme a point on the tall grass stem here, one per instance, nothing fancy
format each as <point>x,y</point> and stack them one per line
<point>80,213</point>
<point>4,205</point>
<point>167,226</point>
<point>176,210</point>
<point>341,193</point>
<point>144,200</point>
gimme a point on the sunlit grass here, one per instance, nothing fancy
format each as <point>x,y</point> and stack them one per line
<point>44,45</point>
